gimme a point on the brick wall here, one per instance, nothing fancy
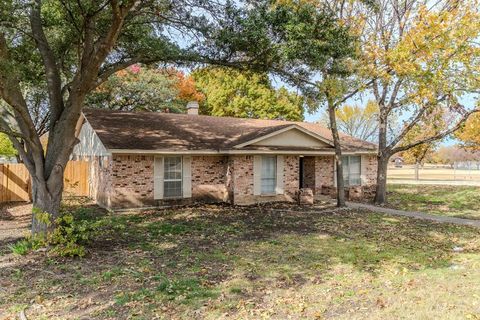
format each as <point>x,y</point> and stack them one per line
<point>291,176</point>
<point>242,179</point>
<point>132,181</point>
<point>324,174</point>
<point>127,180</point>
<point>370,169</point>
<point>240,170</point>
<point>309,172</point>
<point>209,178</point>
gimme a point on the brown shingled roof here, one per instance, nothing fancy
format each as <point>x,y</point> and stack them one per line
<point>169,131</point>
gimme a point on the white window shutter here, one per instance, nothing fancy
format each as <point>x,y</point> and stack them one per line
<point>158,178</point>
<point>257,175</point>
<point>187,177</point>
<point>363,170</point>
<point>280,182</point>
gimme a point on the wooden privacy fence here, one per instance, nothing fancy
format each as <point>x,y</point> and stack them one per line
<point>15,184</point>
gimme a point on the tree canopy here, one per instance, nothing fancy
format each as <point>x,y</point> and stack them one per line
<point>246,94</point>
<point>419,59</point>
<point>469,134</point>
<point>6,147</point>
<point>357,121</point>
<point>140,88</point>
<point>64,50</point>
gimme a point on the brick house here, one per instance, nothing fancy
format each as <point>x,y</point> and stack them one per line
<point>153,159</point>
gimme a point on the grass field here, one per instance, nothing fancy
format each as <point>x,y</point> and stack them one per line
<point>455,201</point>
<point>428,172</point>
<point>218,262</point>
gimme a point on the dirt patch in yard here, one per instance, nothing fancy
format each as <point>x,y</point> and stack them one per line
<point>15,219</point>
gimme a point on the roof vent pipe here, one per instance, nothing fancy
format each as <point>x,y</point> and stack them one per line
<point>192,108</point>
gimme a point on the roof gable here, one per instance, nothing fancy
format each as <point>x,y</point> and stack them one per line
<point>291,136</point>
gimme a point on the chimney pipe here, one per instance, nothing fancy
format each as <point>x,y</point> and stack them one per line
<point>192,108</point>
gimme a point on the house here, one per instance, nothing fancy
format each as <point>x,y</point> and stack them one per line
<point>398,161</point>
<point>153,159</point>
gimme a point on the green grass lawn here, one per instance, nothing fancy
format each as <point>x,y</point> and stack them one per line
<point>455,201</point>
<point>218,262</point>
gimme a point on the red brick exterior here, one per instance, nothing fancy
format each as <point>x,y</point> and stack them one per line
<point>370,169</point>
<point>241,180</point>
<point>309,172</point>
<point>128,180</point>
<point>209,178</point>
<point>291,181</point>
<point>324,174</point>
<point>132,181</point>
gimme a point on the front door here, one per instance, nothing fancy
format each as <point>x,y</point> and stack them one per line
<point>301,173</point>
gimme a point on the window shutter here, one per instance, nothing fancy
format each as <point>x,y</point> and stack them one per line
<point>363,170</point>
<point>257,175</point>
<point>187,177</point>
<point>158,178</point>
<point>280,166</point>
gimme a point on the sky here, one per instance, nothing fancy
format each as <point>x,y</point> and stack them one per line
<point>449,141</point>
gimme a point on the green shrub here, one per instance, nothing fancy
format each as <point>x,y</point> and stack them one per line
<point>22,247</point>
<point>71,234</point>
<point>73,230</point>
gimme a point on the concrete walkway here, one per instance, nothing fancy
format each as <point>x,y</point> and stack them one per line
<point>417,215</point>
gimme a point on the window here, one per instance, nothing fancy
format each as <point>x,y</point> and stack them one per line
<point>269,174</point>
<point>351,170</point>
<point>172,178</point>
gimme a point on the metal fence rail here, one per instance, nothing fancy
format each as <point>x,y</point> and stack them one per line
<point>455,172</point>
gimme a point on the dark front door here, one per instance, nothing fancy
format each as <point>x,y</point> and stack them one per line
<point>301,173</point>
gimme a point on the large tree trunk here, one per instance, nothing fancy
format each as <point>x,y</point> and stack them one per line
<point>381,189</point>
<point>46,200</point>
<point>382,157</point>
<point>338,155</point>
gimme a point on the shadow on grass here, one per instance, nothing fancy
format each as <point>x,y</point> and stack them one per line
<point>184,256</point>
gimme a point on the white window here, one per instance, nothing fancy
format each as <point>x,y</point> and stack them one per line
<point>351,170</point>
<point>269,174</point>
<point>172,177</point>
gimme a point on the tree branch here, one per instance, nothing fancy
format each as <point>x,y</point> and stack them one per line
<point>437,136</point>
<point>52,72</point>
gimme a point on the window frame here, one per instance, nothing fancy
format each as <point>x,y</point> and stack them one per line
<point>165,180</point>
<point>347,174</point>
<point>263,178</point>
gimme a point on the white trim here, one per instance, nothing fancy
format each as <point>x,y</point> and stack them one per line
<point>187,176</point>
<point>275,133</point>
<point>158,169</point>
<point>257,175</point>
<point>279,172</point>
<point>163,151</point>
<point>363,170</point>
<point>228,152</point>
